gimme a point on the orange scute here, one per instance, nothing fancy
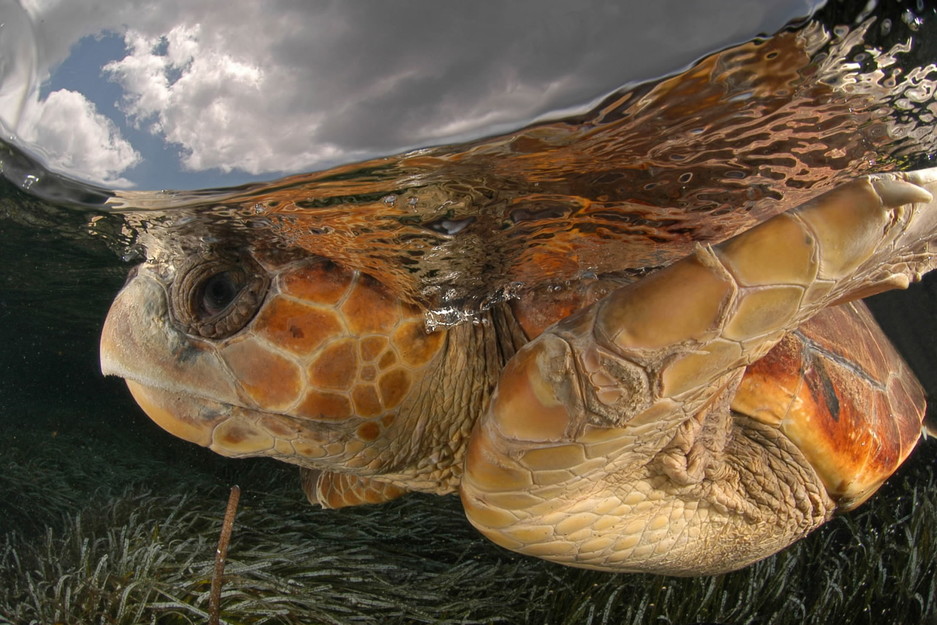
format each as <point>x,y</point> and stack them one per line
<point>415,344</point>
<point>369,308</point>
<point>322,283</point>
<point>238,436</point>
<point>296,327</point>
<point>336,367</point>
<point>367,402</point>
<point>371,347</point>
<point>855,415</point>
<point>368,373</point>
<point>393,386</point>
<point>324,406</point>
<point>387,360</point>
<point>369,431</point>
<point>271,380</point>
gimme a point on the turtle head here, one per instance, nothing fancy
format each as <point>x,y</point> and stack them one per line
<point>299,359</point>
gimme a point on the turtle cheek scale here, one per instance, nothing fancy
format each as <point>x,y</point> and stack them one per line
<point>336,355</point>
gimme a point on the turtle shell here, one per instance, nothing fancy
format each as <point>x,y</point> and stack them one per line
<point>841,392</point>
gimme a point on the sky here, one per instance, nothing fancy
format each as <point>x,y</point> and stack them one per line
<point>155,94</point>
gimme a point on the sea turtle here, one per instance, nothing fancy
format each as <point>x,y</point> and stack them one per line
<point>690,422</point>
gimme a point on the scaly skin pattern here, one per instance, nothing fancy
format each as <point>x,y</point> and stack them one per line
<point>655,428</point>
<point>611,442</point>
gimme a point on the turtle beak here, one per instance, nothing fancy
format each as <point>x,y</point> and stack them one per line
<point>178,381</point>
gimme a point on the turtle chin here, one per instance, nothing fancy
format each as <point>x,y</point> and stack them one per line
<point>176,413</point>
<point>229,430</point>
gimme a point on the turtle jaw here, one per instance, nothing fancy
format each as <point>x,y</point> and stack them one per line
<point>231,431</point>
<point>170,413</point>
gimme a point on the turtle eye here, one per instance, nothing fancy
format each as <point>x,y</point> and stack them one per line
<point>219,291</point>
<point>217,297</point>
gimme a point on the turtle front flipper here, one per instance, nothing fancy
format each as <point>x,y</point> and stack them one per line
<point>610,442</point>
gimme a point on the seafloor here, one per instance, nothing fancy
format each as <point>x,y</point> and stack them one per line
<point>119,525</point>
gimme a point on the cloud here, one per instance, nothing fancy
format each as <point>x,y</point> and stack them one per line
<point>293,85</point>
<point>198,97</point>
<point>68,130</point>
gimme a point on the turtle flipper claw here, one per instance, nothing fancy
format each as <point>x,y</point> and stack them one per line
<point>896,190</point>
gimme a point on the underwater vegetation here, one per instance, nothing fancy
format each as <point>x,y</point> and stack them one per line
<point>139,548</point>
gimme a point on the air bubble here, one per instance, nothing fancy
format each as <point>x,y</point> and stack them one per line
<point>450,226</point>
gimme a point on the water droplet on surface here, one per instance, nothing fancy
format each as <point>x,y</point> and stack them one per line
<point>449,226</point>
<point>134,254</point>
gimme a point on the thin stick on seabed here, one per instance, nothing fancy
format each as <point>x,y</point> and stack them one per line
<point>221,553</point>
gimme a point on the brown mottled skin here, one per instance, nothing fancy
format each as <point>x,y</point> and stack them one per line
<point>691,422</point>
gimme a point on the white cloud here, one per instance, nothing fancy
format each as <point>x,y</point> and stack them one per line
<point>193,96</point>
<point>68,130</point>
